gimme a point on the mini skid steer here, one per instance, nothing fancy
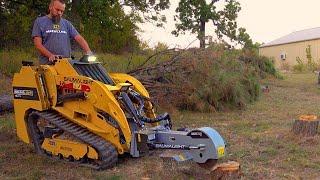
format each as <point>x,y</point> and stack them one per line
<point>76,111</point>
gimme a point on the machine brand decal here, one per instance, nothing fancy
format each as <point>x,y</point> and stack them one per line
<point>66,148</point>
<point>171,146</point>
<point>52,143</point>
<point>77,80</point>
<point>197,134</point>
<point>25,93</point>
<point>77,84</point>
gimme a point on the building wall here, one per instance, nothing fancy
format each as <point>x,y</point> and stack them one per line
<point>292,51</point>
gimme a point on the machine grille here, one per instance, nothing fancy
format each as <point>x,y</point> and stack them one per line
<point>95,71</point>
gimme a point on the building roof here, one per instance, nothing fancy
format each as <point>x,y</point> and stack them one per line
<point>297,36</point>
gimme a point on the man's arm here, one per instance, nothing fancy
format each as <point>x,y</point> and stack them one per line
<point>38,44</point>
<point>83,43</point>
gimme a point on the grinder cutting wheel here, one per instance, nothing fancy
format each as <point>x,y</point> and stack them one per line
<point>77,111</point>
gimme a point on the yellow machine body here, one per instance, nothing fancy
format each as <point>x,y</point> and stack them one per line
<point>69,148</point>
<point>37,88</point>
<point>77,111</point>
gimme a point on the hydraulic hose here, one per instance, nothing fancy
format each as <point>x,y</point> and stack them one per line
<point>159,118</point>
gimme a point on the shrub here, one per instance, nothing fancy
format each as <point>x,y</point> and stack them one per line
<point>300,66</point>
<point>263,65</point>
<point>220,83</point>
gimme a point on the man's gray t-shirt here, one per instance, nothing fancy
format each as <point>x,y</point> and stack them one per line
<point>55,37</point>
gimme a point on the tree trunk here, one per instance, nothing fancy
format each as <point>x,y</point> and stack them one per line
<point>202,34</point>
<point>229,170</point>
<point>306,125</point>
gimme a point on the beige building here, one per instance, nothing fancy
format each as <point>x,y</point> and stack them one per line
<point>288,49</point>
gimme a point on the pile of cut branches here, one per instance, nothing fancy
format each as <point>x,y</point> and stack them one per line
<point>201,80</point>
<point>167,81</point>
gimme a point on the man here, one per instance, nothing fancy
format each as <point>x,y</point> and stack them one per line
<point>51,34</point>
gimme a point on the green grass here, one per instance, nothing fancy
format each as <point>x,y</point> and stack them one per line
<point>258,137</point>
<point>10,61</point>
<point>7,122</point>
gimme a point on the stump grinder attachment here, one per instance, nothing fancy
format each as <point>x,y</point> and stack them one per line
<point>78,112</point>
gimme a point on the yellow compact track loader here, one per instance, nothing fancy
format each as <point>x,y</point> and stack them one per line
<point>75,110</point>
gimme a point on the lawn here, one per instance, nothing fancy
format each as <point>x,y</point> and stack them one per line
<point>258,137</point>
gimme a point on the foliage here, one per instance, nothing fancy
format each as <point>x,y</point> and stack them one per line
<point>263,65</point>
<point>106,27</point>
<point>15,25</point>
<point>309,65</point>
<point>194,14</point>
<point>299,67</point>
<point>245,40</point>
<point>103,23</point>
<point>10,61</point>
<point>121,63</point>
<point>229,78</point>
<point>161,47</point>
<point>211,79</point>
<point>150,10</point>
<point>225,83</point>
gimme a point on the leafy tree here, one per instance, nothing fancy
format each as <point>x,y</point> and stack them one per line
<point>194,14</point>
<point>149,10</point>
<point>16,19</point>
<point>244,39</point>
<point>104,23</point>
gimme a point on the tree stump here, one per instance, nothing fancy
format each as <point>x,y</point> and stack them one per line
<point>306,125</point>
<point>229,170</point>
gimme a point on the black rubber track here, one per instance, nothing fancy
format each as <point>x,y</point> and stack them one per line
<point>107,153</point>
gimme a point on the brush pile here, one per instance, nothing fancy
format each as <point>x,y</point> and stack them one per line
<point>206,80</point>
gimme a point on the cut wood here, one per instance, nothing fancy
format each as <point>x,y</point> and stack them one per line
<point>228,170</point>
<point>306,125</point>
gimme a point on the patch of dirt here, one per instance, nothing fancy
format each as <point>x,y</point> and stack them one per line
<point>6,136</point>
<point>6,103</point>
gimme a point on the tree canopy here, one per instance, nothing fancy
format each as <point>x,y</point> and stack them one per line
<point>192,15</point>
<point>104,23</point>
<point>111,25</point>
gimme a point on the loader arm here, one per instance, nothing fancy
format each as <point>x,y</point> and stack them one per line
<point>122,78</point>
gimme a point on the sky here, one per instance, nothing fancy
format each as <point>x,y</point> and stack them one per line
<point>265,21</point>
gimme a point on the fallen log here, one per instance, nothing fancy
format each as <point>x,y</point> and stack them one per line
<point>6,104</point>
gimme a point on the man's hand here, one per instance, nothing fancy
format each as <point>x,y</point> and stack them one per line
<point>89,53</point>
<point>52,57</point>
